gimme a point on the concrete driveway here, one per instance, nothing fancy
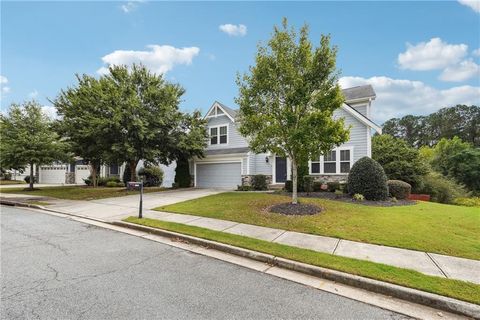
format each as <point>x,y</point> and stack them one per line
<point>119,207</point>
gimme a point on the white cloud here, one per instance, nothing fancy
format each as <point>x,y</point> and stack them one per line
<point>3,84</point>
<point>33,94</point>
<point>50,111</point>
<point>460,72</point>
<point>396,97</point>
<point>473,4</point>
<point>431,55</point>
<point>159,59</point>
<point>476,52</point>
<point>233,30</point>
<point>130,6</point>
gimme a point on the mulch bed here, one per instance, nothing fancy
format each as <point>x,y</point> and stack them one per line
<point>299,209</point>
<point>348,198</point>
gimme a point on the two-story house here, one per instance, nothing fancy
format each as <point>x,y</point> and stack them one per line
<point>229,162</point>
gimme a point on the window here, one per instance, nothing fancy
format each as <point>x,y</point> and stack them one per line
<point>337,161</point>
<point>213,135</point>
<point>344,161</point>
<point>114,169</point>
<point>223,135</point>
<point>330,162</point>
<point>218,135</point>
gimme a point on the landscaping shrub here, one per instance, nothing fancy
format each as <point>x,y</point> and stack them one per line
<point>368,178</point>
<point>289,185</point>
<point>467,202</point>
<point>244,188</point>
<point>183,179</point>
<point>120,184</point>
<point>111,184</point>
<point>317,186</point>
<point>127,174</point>
<point>442,189</point>
<point>88,181</point>
<point>27,179</point>
<point>152,176</point>
<point>6,176</point>
<point>259,182</point>
<point>102,181</point>
<point>333,186</point>
<point>358,197</point>
<point>399,189</point>
<point>308,184</point>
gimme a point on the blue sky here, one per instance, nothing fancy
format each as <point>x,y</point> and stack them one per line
<point>419,56</point>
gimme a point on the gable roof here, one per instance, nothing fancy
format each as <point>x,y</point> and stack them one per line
<point>359,93</point>
<point>351,95</point>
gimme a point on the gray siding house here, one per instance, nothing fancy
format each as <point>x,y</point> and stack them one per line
<point>228,161</point>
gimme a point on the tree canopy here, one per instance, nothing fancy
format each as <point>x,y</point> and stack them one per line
<point>288,98</point>
<point>27,138</point>
<point>461,121</point>
<point>399,160</point>
<point>130,114</point>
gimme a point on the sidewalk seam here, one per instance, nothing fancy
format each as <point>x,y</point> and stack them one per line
<point>281,234</point>
<point>436,264</point>
<point>336,246</point>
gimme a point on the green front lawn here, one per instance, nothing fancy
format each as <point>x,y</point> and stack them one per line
<point>79,192</point>
<point>447,287</point>
<point>425,226</point>
<point>8,182</point>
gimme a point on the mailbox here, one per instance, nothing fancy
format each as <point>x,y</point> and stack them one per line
<point>134,185</point>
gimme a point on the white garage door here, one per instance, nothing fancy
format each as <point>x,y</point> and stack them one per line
<point>52,174</point>
<point>219,175</point>
<point>82,171</point>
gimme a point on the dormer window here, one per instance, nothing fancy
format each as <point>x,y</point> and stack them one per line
<point>215,112</point>
<point>218,135</point>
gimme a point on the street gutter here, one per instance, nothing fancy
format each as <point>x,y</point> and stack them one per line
<point>416,296</point>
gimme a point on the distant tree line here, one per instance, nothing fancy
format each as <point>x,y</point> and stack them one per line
<point>459,121</point>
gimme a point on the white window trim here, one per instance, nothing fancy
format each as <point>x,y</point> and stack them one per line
<point>218,135</point>
<point>337,166</point>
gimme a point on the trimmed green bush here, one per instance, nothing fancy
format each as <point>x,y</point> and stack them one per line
<point>368,178</point>
<point>358,197</point>
<point>111,184</point>
<point>289,185</point>
<point>183,179</point>
<point>27,179</point>
<point>399,189</point>
<point>333,186</point>
<point>317,186</point>
<point>152,176</point>
<point>259,182</point>
<point>308,184</point>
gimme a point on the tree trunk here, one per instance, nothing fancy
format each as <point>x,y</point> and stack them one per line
<point>133,170</point>
<point>93,173</point>
<point>294,181</point>
<point>31,176</point>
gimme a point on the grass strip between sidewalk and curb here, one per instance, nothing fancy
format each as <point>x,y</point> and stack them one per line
<point>456,289</point>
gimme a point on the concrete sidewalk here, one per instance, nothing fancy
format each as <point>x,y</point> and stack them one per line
<point>114,209</point>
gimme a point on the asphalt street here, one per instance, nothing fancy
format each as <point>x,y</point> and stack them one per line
<point>56,268</point>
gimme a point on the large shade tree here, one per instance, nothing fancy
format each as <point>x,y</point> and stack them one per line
<point>288,98</point>
<point>128,115</point>
<point>27,138</point>
<point>147,123</point>
<point>85,121</point>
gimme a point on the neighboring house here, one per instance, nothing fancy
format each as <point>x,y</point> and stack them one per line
<point>229,162</point>
<point>75,173</point>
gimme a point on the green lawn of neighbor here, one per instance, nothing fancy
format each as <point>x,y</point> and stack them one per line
<point>409,278</point>
<point>425,226</point>
<point>79,192</point>
<point>9,182</point>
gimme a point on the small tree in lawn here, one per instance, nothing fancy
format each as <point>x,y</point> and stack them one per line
<point>27,138</point>
<point>288,98</point>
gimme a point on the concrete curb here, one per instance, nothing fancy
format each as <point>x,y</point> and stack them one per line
<point>428,299</point>
<point>20,204</point>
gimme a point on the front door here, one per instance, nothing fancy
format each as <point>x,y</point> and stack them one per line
<point>280,169</point>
